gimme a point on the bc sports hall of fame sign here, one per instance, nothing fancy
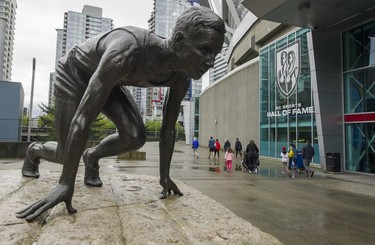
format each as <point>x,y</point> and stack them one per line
<point>288,68</point>
<point>288,71</point>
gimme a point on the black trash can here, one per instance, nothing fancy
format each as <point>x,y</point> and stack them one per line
<point>333,162</point>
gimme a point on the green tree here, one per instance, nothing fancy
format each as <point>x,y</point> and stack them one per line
<point>99,129</point>
<point>47,120</point>
<point>153,128</point>
<point>108,124</point>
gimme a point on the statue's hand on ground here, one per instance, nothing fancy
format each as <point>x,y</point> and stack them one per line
<point>61,193</point>
<point>169,186</point>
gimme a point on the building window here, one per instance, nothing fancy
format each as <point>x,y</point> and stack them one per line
<point>358,44</point>
<point>360,147</point>
<point>359,90</point>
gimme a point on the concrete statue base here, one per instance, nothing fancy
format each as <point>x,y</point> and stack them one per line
<point>126,210</point>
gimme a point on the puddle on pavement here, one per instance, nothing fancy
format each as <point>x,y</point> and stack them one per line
<point>277,174</point>
<point>153,206</point>
<point>214,169</point>
<point>179,167</point>
<point>123,168</point>
<point>6,162</point>
<point>133,188</point>
<point>268,173</point>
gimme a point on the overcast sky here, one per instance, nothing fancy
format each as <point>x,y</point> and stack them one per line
<point>35,36</point>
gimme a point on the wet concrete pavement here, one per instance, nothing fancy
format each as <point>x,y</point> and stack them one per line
<point>325,209</point>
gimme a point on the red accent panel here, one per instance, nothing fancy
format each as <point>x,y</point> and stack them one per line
<point>363,117</point>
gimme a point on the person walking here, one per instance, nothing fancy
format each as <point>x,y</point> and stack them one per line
<point>229,159</point>
<point>307,154</point>
<point>292,155</point>
<point>252,154</point>
<point>217,149</point>
<point>284,159</point>
<point>211,147</point>
<point>195,146</point>
<point>238,147</point>
<point>226,145</point>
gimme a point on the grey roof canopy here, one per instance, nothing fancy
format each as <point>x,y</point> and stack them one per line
<point>311,14</point>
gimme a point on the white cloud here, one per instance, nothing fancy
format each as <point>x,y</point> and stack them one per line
<point>35,36</point>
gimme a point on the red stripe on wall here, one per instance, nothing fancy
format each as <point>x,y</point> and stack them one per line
<point>363,117</point>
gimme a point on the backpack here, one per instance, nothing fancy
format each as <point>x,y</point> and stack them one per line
<point>217,146</point>
<point>291,153</point>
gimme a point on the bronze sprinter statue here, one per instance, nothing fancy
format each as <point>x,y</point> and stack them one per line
<point>92,78</point>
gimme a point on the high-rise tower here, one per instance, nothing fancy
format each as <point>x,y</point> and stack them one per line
<point>162,21</point>
<point>7,24</point>
<point>78,27</point>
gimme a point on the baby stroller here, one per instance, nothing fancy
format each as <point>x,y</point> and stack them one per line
<point>255,167</point>
<point>253,162</point>
<point>245,163</point>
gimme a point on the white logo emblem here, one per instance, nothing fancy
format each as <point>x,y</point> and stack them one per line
<point>288,68</point>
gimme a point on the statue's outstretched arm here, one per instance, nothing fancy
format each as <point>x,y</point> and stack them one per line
<point>171,110</point>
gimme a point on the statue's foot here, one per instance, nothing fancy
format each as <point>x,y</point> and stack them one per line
<point>30,168</point>
<point>93,181</point>
<point>91,172</point>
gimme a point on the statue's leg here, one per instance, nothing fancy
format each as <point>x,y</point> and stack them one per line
<point>50,151</point>
<point>34,153</point>
<point>131,135</point>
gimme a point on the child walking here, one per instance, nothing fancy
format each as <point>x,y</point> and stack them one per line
<point>284,159</point>
<point>229,155</point>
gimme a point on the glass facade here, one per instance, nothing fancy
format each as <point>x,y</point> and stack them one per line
<point>286,99</point>
<point>359,97</point>
<point>167,11</point>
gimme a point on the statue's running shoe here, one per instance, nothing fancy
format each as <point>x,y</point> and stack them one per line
<point>30,167</point>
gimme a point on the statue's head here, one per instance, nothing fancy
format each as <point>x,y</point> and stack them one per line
<point>198,37</point>
<point>190,21</point>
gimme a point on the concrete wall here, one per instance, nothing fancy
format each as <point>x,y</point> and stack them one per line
<point>13,149</point>
<point>253,38</point>
<point>18,149</point>
<point>229,108</point>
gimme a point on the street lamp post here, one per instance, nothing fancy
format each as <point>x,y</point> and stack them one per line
<point>31,102</point>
